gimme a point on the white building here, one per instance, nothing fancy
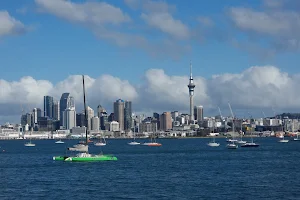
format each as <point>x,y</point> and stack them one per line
<point>69,118</point>
<point>112,126</point>
<point>95,123</point>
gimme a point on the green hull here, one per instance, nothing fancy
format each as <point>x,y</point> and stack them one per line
<point>85,159</point>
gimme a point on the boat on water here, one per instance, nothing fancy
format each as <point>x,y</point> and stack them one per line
<point>213,143</point>
<point>59,142</point>
<point>84,155</point>
<point>29,144</point>
<point>134,142</point>
<point>232,146</point>
<point>297,138</point>
<point>100,142</point>
<point>250,144</point>
<point>283,140</point>
<point>152,143</point>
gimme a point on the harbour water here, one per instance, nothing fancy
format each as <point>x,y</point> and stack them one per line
<point>179,169</point>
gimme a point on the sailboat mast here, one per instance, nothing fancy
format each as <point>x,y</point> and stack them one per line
<point>85,112</point>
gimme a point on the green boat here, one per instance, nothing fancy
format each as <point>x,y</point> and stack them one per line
<point>84,155</point>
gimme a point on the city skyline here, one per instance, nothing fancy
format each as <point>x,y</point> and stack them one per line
<point>140,51</point>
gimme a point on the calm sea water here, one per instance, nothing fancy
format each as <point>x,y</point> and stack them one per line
<point>180,169</point>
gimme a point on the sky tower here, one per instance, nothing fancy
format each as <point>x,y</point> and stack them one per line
<point>191,87</point>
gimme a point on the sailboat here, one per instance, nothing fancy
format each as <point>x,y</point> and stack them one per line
<point>250,144</point>
<point>241,141</point>
<point>152,143</point>
<point>282,140</point>
<point>59,142</point>
<point>100,143</point>
<point>297,138</point>
<point>232,146</point>
<point>84,155</point>
<point>213,143</point>
<point>29,144</point>
<point>134,142</point>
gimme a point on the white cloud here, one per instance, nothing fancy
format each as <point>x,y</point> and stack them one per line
<point>10,25</point>
<point>279,28</point>
<point>93,13</point>
<point>167,24</point>
<point>255,88</point>
<point>110,23</point>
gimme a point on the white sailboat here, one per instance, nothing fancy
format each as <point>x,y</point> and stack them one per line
<point>241,141</point>
<point>100,142</point>
<point>59,142</point>
<point>232,139</point>
<point>29,144</point>
<point>250,144</point>
<point>297,138</point>
<point>134,142</point>
<point>282,140</point>
<point>213,143</point>
<point>232,146</point>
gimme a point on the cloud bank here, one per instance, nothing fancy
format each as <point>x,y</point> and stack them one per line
<point>258,87</point>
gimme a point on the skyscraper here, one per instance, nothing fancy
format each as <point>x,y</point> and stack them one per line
<point>66,101</point>
<point>48,106</point>
<point>90,115</point>
<point>191,87</point>
<point>69,118</point>
<point>56,112</point>
<point>119,112</point>
<point>128,115</point>
<point>36,113</point>
<point>198,113</point>
<point>165,121</point>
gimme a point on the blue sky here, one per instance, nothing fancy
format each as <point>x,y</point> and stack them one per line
<point>54,48</point>
<point>132,48</point>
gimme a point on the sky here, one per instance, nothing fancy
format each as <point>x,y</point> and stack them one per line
<point>242,52</point>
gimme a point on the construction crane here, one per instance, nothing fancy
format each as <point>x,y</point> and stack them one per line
<point>232,117</point>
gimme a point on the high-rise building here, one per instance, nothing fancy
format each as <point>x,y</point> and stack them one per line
<point>100,110</point>
<point>128,115</point>
<point>119,113</point>
<point>69,118</point>
<point>95,123</point>
<point>90,115</point>
<point>165,121</point>
<point>66,101</point>
<point>191,87</point>
<point>56,112</point>
<point>80,120</point>
<point>103,120</point>
<point>198,113</point>
<point>36,113</point>
<point>48,106</point>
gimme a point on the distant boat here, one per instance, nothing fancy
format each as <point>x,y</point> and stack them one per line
<point>282,140</point>
<point>232,146</point>
<point>213,143</point>
<point>152,143</point>
<point>250,144</point>
<point>59,142</point>
<point>134,142</point>
<point>297,138</point>
<point>100,142</point>
<point>29,144</point>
